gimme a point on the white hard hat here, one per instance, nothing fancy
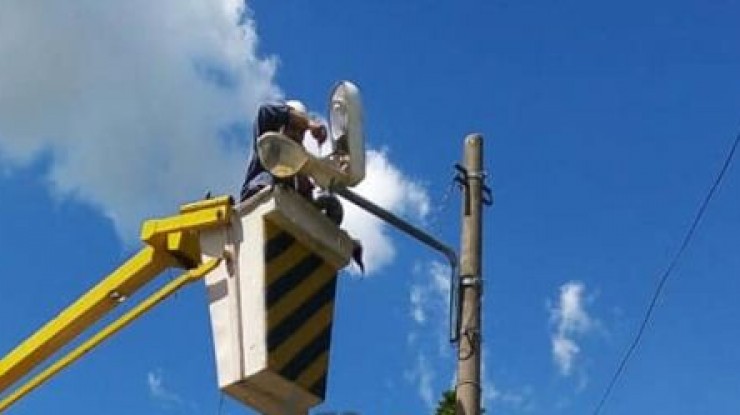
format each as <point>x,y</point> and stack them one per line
<point>296,106</point>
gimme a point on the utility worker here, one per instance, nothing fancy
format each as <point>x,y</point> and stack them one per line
<point>292,120</point>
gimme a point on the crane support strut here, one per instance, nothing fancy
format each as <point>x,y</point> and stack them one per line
<point>171,242</point>
<point>113,328</point>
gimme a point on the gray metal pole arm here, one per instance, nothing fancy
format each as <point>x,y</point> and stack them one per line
<point>420,236</point>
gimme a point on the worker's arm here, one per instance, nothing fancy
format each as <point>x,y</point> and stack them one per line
<point>276,117</point>
<point>300,122</point>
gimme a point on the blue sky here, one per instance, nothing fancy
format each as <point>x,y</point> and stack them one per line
<point>604,124</point>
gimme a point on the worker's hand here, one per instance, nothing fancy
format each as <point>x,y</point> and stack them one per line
<point>318,131</point>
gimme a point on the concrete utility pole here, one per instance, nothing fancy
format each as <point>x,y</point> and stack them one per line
<point>468,388</point>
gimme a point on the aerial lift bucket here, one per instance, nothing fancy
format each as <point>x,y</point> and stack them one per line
<point>272,301</point>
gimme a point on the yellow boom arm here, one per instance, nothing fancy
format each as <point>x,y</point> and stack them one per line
<point>171,241</point>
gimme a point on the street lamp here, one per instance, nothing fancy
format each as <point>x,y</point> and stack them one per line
<point>345,166</point>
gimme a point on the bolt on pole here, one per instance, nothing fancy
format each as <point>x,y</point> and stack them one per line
<point>468,389</point>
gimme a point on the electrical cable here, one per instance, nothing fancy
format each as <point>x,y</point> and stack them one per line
<point>664,278</point>
<point>439,209</point>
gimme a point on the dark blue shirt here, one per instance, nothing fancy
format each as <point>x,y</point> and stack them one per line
<point>270,117</point>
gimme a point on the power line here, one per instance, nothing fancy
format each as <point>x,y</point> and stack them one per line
<point>664,277</point>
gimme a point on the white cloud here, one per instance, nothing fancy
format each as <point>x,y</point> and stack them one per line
<point>430,294</point>
<point>129,100</point>
<point>130,103</point>
<point>570,321</point>
<point>490,391</point>
<point>493,397</point>
<point>422,375</point>
<point>417,304</point>
<point>157,390</point>
<point>429,297</point>
<point>391,189</point>
<point>428,302</point>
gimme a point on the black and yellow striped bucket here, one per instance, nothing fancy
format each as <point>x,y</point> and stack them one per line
<point>272,301</point>
<point>300,288</point>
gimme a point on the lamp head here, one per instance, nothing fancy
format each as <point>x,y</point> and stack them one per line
<point>284,157</point>
<point>348,140</point>
<point>280,155</point>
